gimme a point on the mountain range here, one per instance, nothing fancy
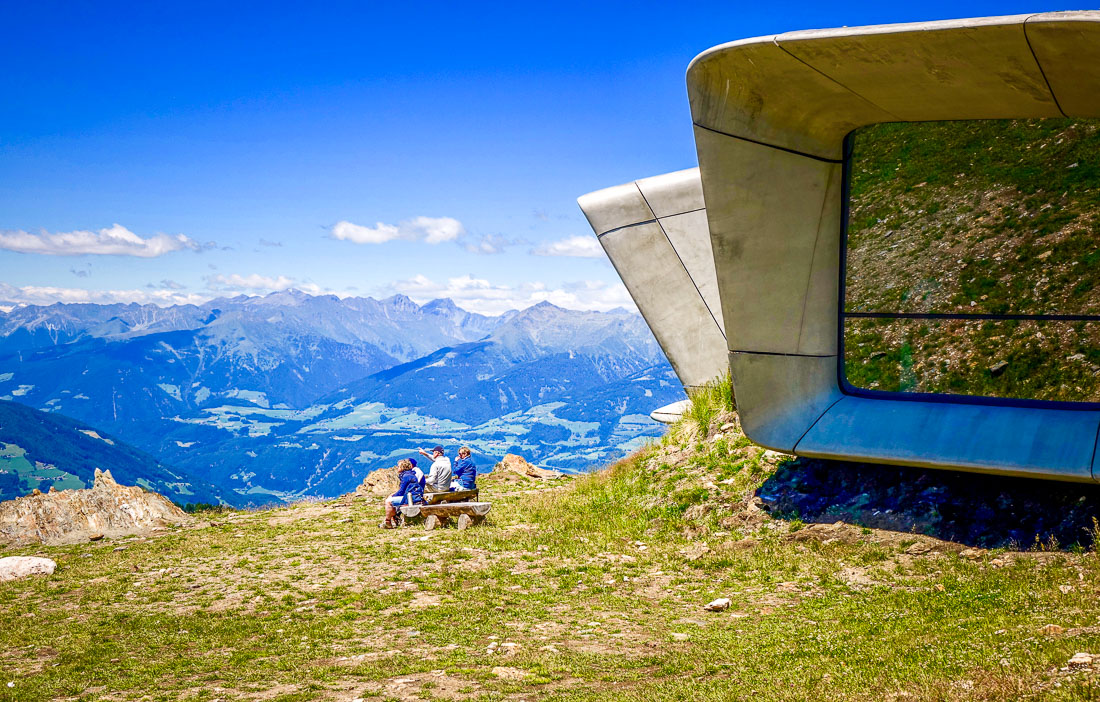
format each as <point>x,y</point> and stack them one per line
<point>290,395</point>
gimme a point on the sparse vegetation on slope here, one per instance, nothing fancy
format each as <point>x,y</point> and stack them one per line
<point>592,590</point>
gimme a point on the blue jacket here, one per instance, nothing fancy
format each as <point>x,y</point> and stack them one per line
<point>465,472</point>
<point>410,487</point>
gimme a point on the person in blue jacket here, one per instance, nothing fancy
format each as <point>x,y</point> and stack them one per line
<point>464,470</point>
<point>420,476</point>
<point>410,491</point>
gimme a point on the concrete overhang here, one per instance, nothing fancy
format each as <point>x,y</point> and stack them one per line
<point>655,232</point>
<point>771,115</point>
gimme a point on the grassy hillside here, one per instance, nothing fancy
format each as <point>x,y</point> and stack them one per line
<point>986,217</point>
<point>840,588</point>
<point>40,450</point>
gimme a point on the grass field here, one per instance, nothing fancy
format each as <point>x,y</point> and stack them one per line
<point>589,590</point>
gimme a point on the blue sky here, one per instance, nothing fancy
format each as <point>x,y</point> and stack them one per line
<point>166,152</point>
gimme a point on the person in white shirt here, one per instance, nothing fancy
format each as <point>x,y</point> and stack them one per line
<point>439,475</point>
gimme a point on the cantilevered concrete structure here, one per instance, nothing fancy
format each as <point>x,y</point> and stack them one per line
<point>655,233</point>
<point>771,116</point>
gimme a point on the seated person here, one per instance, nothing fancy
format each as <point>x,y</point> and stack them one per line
<point>439,475</point>
<point>408,492</point>
<point>465,472</point>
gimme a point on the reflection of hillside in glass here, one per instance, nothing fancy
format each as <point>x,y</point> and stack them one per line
<point>975,218</point>
<point>1003,214</point>
<point>1032,360</point>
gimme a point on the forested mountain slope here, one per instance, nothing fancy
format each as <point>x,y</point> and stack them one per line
<point>40,450</point>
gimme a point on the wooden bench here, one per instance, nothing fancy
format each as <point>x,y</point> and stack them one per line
<point>436,498</point>
<point>465,514</point>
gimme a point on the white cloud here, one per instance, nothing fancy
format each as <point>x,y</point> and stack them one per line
<point>490,244</point>
<point>480,295</point>
<point>575,246</point>
<point>114,241</point>
<point>432,230</point>
<point>358,234</point>
<point>260,284</point>
<point>46,295</point>
<point>255,281</point>
<point>435,230</point>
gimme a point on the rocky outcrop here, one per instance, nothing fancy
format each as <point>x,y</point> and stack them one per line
<point>512,467</point>
<point>16,567</point>
<point>71,516</point>
<point>380,483</point>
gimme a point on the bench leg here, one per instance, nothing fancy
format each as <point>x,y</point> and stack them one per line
<point>464,522</point>
<point>432,522</point>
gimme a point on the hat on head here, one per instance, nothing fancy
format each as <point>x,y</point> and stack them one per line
<point>413,462</point>
<point>439,449</point>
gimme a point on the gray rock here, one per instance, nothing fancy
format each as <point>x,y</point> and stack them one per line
<point>1082,659</point>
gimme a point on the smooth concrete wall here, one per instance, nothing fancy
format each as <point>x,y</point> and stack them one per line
<point>770,117</point>
<point>655,233</point>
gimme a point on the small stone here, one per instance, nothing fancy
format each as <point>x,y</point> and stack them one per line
<point>696,551</point>
<point>998,368</point>
<point>971,554</point>
<point>1053,630</point>
<point>549,649</point>
<point>120,548</point>
<point>678,636</point>
<point>1065,589</point>
<point>719,605</point>
<point>95,537</point>
<point>939,587</point>
<point>509,673</point>
<point>1081,659</point>
<point>1045,255</point>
